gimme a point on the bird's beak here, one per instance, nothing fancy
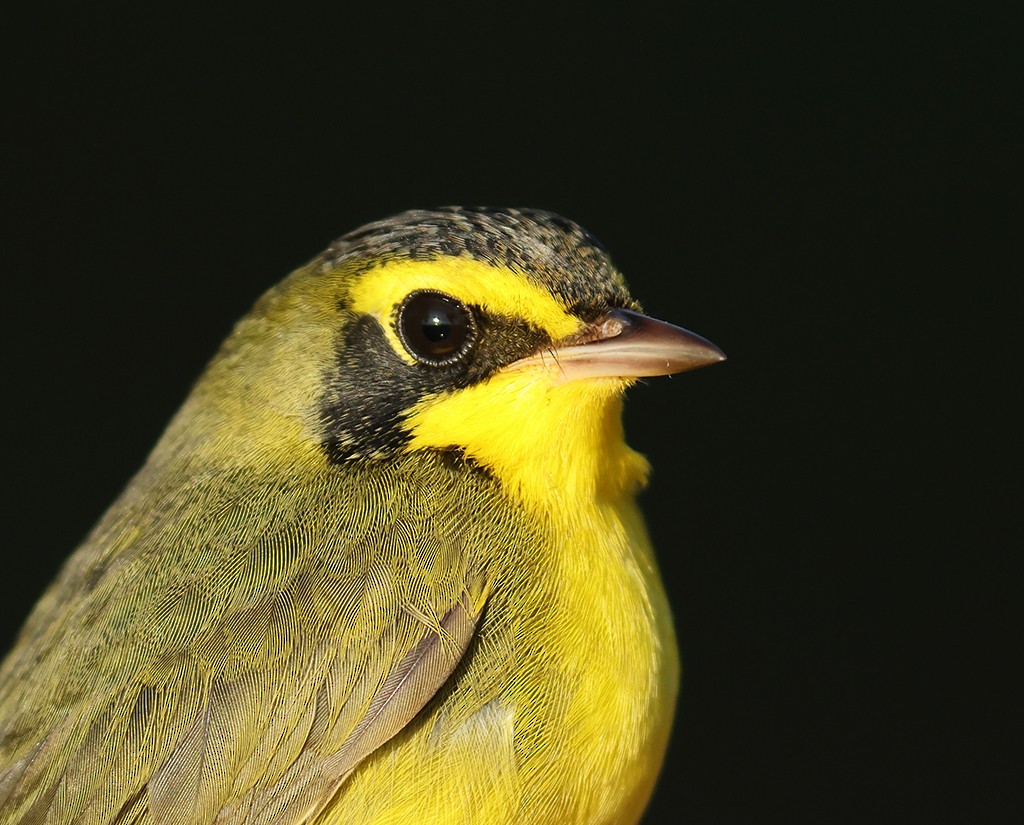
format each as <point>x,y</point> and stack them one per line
<point>625,344</point>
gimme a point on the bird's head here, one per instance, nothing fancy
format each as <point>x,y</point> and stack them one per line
<point>502,337</point>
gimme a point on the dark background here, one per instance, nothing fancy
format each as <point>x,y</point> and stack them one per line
<point>823,193</point>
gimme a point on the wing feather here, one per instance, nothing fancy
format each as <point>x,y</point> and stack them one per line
<point>234,656</point>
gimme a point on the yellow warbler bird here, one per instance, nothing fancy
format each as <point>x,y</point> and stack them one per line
<point>385,565</point>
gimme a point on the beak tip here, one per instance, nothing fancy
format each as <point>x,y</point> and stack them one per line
<point>703,359</point>
<point>695,352</point>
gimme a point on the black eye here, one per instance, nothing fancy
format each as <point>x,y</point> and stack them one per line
<point>436,329</point>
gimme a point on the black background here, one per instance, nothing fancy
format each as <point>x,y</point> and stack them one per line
<point>822,192</point>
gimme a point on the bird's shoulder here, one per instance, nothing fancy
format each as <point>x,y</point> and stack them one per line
<point>137,680</point>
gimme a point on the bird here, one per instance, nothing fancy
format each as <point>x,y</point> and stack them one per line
<point>385,565</point>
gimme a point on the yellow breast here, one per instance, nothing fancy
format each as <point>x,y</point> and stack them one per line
<point>575,733</point>
<point>562,712</point>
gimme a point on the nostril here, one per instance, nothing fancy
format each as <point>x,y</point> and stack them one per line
<point>619,321</point>
<point>612,327</point>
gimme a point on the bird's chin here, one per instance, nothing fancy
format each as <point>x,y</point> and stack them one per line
<point>548,370</point>
<point>560,366</point>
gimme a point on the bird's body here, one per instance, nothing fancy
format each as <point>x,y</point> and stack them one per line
<point>367,576</point>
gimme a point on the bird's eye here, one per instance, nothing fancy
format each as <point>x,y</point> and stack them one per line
<point>435,328</point>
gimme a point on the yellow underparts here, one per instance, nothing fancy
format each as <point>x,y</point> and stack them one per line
<point>543,439</point>
<point>581,744</point>
<point>580,741</point>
